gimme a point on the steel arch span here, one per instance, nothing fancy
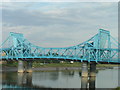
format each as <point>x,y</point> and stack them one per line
<point>102,47</point>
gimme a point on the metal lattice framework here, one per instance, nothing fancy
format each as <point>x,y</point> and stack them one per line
<point>100,48</point>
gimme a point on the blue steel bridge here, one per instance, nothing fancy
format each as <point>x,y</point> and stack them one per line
<point>101,48</point>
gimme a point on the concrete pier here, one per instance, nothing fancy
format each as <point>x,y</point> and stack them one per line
<point>92,69</point>
<point>84,69</point>
<point>20,66</point>
<point>29,66</point>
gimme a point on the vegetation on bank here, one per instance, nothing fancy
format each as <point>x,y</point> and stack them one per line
<point>118,88</point>
<point>54,64</point>
<point>10,64</point>
<point>107,65</point>
<point>65,64</point>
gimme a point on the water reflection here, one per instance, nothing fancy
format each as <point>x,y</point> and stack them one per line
<point>57,79</point>
<point>84,82</point>
<point>18,80</point>
<point>68,73</point>
<point>92,83</point>
<point>88,82</point>
<point>24,79</point>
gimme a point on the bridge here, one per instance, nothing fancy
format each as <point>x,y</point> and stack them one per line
<point>101,48</point>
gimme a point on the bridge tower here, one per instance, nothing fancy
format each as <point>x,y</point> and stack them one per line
<point>20,44</point>
<point>100,41</point>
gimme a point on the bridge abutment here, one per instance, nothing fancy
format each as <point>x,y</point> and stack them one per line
<point>84,69</point>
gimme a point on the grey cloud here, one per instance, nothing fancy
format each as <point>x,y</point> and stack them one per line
<point>27,18</point>
<point>73,16</point>
<point>71,27</point>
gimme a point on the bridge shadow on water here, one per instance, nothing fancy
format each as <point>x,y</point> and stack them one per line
<point>36,80</point>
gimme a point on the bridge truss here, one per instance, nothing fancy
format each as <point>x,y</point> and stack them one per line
<point>100,48</point>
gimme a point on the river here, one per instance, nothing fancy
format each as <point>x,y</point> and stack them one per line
<point>107,78</point>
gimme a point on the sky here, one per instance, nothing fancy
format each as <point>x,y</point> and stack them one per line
<point>58,24</point>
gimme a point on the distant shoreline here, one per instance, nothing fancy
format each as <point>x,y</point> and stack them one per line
<point>14,69</point>
<point>54,66</point>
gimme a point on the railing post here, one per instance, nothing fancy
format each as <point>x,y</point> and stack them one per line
<point>84,69</point>
<point>20,66</point>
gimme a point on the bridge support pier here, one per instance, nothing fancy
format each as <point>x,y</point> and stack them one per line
<point>92,69</point>
<point>20,66</point>
<point>29,66</point>
<point>84,69</point>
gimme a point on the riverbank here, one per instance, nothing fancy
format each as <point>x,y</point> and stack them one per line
<point>42,66</point>
<point>76,64</point>
<point>58,66</point>
<point>118,88</point>
<point>14,69</point>
<point>64,64</point>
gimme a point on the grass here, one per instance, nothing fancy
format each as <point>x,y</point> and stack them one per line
<point>10,64</point>
<point>76,64</point>
<point>118,88</point>
<point>55,64</point>
<point>107,65</point>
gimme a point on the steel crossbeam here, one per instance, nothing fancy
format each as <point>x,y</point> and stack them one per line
<point>98,48</point>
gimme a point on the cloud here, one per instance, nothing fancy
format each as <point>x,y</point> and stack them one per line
<point>55,15</point>
<point>59,24</point>
<point>60,1</point>
<point>28,18</point>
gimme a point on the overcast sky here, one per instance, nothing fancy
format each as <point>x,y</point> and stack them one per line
<point>60,24</point>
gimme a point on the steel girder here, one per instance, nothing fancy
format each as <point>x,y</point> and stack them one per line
<point>98,48</point>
